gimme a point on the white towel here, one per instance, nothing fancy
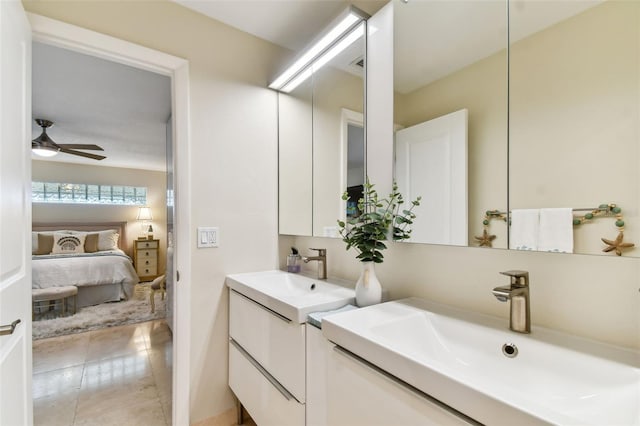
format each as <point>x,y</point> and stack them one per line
<point>556,230</point>
<point>524,229</point>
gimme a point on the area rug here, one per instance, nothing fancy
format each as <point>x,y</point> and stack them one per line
<point>137,309</point>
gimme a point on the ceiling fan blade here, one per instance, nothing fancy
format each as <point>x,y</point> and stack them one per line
<point>80,146</point>
<point>82,154</point>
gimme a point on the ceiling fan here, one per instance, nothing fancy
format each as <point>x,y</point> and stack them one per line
<point>44,146</point>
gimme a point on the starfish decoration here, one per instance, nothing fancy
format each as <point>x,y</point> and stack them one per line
<point>616,244</point>
<point>485,240</point>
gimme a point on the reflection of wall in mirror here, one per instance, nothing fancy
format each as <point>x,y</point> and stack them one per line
<point>295,161</point>
<point>333,90</point>
<point>481,89</point>
<point>575,119</point>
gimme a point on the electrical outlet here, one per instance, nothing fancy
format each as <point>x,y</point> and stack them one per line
<point>208,237</point>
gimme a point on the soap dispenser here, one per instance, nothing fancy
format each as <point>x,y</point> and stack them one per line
<point>293,260</point>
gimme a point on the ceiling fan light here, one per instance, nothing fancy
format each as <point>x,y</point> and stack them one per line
<point>44,151</point>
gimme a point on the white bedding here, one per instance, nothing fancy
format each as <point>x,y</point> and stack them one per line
<point>100,268</point>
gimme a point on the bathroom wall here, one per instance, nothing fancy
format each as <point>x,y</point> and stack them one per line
<point>154,181</point>
<point>590,296</point>
<point>233,162</point>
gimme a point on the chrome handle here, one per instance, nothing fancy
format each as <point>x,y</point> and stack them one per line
<point>8,329</point>
<point>271,311</point>
<point>321,251</point>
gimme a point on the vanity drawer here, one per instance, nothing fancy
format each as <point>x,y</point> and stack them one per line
<point>267,404</point>
<point>359,394</point>
<point>273,341</point>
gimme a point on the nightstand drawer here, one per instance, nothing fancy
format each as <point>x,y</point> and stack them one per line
<point>151,262</point>
<point>146,271</point>
<point>147,254</point>
<point>146,244</point>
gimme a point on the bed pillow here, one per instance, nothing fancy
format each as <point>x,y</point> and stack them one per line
<point>91,243</point>
<point>108,240</point>
<point>45,243</point>
<point>67,243</point>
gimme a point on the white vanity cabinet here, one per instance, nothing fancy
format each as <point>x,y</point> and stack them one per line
<point>360,394</point>
<point>269,354</point>
<point>318,349</point>
<point>266,362</point>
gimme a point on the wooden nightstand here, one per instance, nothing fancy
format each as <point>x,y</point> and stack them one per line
<point>145,258</point>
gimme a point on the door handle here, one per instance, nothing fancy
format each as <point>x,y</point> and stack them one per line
<point>8,329</point>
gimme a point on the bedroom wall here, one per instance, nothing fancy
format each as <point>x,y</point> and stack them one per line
<point>155,182</point>
<point>233,160</point>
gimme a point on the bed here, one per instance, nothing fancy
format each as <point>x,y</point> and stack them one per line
<point>103,274</point>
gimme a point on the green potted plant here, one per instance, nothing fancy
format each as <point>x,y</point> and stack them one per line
<point>380,219</point>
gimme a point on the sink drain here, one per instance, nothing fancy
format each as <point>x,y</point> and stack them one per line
<point>510,350</point>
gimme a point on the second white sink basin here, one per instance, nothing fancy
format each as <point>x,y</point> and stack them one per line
<point>293,296</point>
<point>457,357</point>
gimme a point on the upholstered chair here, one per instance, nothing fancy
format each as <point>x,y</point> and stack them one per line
<point>159,285</point>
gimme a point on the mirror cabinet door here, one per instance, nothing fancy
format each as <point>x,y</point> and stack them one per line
<point>338,136</point>
<point>295,162</point>
<point>321,142</point>
<point>450,118</point>
<point>575,118</point>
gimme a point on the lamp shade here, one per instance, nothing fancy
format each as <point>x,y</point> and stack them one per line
<point>144,213</point>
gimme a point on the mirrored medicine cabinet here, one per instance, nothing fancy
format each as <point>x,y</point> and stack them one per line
<point>536,103</point>
<point>321,145</point>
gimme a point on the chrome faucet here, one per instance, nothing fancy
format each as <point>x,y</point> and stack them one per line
<point>518,292</point>
<point>322,262</point>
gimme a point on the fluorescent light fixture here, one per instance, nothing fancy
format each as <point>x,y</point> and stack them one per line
<point>44,152</point>
<point>338,47</point>
<point>343,25</point>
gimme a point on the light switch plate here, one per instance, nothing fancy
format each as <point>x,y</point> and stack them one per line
<point>208,236</point>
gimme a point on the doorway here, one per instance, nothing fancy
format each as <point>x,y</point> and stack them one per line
<point>78,39</point>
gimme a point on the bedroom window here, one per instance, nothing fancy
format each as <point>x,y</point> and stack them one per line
<point>80,193</point>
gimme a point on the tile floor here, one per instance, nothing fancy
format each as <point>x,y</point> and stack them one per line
<point>114,376</point>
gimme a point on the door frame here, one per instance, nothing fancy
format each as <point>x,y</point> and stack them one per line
<point>60,34</point>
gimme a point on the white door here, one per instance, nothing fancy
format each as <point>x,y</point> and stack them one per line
<point>431,162</point>
<point>15,215</point>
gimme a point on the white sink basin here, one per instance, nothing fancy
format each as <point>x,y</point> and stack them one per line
<point>457,358</point>
<point>293,296</point>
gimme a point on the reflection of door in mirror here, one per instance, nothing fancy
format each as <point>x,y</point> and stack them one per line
<point>295,160</point>
<point>451,56</point>
<point>338,100</point>
<point>431,162</point>
<point>575,113</point>
<point>353,173</point>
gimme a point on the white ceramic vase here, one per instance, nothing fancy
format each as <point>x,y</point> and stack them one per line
<point>368,288</point>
